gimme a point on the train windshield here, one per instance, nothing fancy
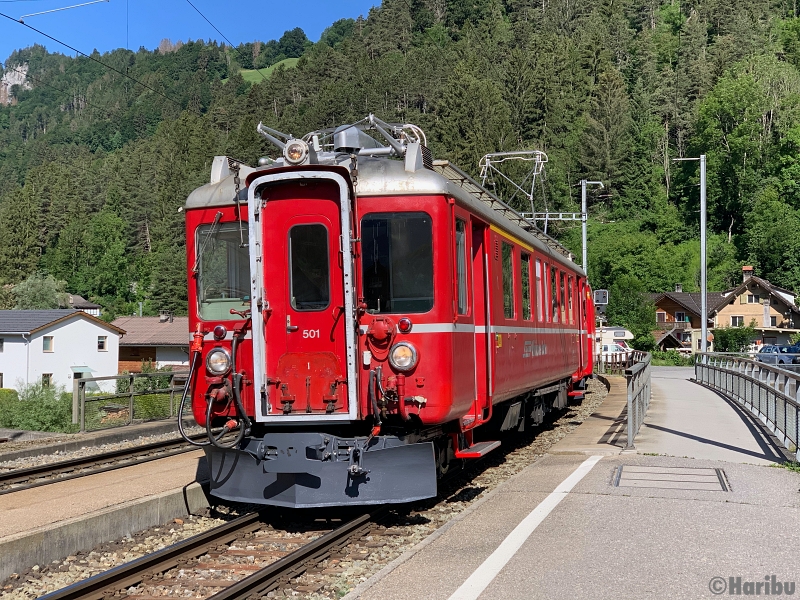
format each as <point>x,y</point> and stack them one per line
<point>397,262</point>
<point>223,274</point>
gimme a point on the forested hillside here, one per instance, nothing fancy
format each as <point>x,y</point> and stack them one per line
<point>93,166</point>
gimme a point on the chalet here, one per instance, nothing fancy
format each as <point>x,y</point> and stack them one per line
<point>162,341</point>
<point>772,308</point>
<point>678,314</point>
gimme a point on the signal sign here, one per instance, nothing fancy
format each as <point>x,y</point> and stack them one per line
<point>600,297</point>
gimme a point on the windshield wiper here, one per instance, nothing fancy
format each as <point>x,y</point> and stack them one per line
<point>211,231</point>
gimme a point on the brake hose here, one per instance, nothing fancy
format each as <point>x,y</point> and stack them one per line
<point>373,401</point>
<point>186,388</point>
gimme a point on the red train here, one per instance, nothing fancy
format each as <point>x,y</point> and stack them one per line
<point>359,310</point>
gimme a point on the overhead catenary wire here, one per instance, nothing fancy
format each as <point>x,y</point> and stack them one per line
<point>98,61</point>
<point>223,36</point>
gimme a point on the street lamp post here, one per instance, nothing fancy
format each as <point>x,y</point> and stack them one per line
<point>703,282</point>
<point>584,215</point>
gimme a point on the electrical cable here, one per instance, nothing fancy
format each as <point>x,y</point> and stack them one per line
<point>223,36</point>
<point>100,62</point>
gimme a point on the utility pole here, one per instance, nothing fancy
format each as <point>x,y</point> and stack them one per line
<point>584,216</point>
<point>703,278</point>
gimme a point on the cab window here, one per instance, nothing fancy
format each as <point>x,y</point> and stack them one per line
<point>223,272</point>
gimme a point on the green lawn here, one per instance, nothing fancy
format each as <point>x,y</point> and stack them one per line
<point>253,75</point>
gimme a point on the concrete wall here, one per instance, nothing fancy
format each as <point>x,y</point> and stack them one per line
<point>74,345</point>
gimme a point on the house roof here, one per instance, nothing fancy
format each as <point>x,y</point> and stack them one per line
<point>774,291</point>
<point>662,336</point>
<point>151,331</point>
<point>717,300</point>
<point>30,321</point>
<point>692,301</point>
<point>76,301</point>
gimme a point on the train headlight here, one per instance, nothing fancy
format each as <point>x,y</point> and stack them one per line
<point>295,151</point>
<point>218,361</point>
<point>403,356</point>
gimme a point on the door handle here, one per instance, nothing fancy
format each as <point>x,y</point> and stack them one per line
<point>289,327</point>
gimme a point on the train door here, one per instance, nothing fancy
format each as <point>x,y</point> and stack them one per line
<point>305,351</point>
<point>482,320</point>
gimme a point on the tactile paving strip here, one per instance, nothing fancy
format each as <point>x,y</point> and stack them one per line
<point>675,478</point>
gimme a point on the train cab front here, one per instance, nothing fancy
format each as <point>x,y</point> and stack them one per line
<point>278,375</point>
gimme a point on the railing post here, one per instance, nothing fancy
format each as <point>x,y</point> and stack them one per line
<point>82,395</point>
<point>76,401</point>
<point>130,402</point>
<point>171,393</point>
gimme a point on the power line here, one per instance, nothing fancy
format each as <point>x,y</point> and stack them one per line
<point>223,36</point>
<point>63,91</point>
<point>100,62</point>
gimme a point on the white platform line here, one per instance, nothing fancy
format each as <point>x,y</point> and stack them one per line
<point>485,574</point>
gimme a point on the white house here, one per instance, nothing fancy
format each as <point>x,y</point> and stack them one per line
<point>54,346</point>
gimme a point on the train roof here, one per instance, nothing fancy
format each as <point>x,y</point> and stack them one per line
<point>381,176</point>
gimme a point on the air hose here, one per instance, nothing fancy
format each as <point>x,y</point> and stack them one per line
<point>186,388</point>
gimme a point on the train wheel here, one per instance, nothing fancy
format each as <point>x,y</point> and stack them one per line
<point>444,454</point>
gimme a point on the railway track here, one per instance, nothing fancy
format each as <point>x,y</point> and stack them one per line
<point>244,545</point>
<point>23,479</point>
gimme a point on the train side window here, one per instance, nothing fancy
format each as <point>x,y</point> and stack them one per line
<point>525,270</point>
<point>308,267</point>
<point>508,280</point>
<point>554,294</point>
<point>539,302</point>
<point>397,262</point>
<point>562,296</point>
<point>461,265</point>
<point>570,293</point>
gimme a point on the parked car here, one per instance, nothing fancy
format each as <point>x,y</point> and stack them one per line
<point>612,350</point>
<point>772,354</point>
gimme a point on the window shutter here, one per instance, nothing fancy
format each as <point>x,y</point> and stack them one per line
<point>743,299</point>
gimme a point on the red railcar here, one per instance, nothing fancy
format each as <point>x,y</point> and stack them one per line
<point>359,311</point>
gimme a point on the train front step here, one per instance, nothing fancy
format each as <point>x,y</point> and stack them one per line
<point>477,450</point>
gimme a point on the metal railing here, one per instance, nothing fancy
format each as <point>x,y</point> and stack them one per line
<point>137,397</point>
<point>770,393</point>
<point>667,325</point>
<point>637,377</point>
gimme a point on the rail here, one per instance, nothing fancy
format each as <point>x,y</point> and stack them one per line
<point>770,393</point>
<point>136,397</point>
<point>637,377</point>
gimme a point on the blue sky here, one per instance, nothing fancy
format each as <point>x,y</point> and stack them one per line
<point>114,24</point>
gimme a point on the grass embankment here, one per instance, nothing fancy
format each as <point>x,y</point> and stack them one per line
<point>255,75</point>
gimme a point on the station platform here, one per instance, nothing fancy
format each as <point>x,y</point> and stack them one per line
<point>696,511</point>
<point>53,521</point>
